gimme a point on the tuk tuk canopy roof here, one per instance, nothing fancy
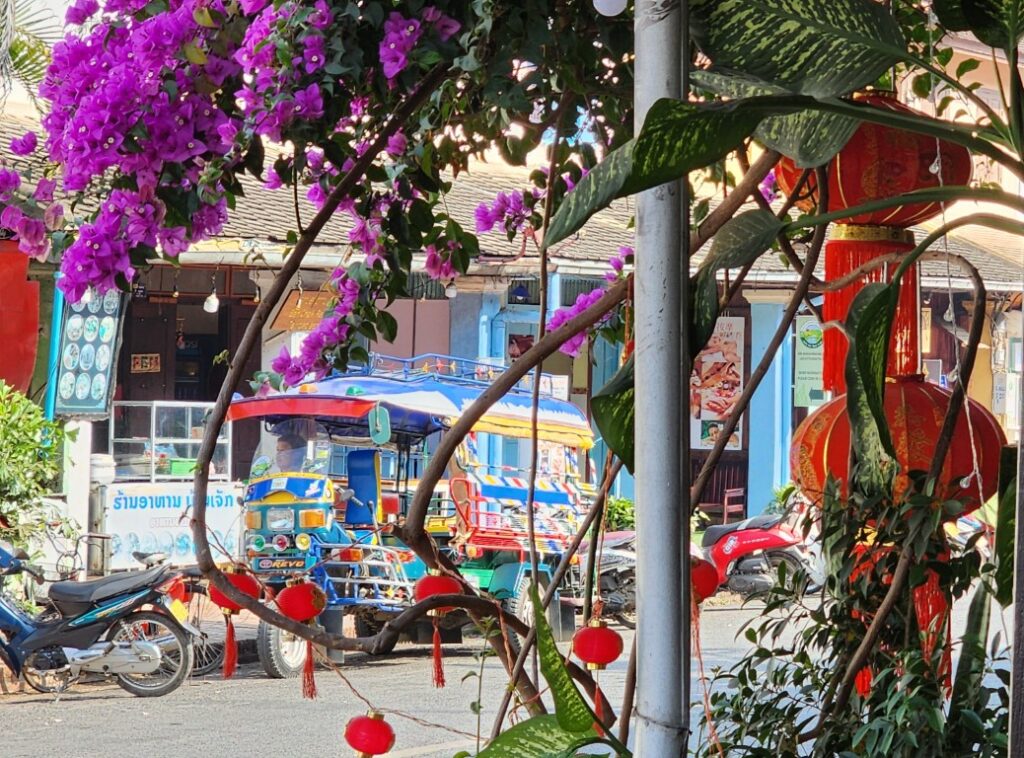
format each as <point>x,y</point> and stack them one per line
<point>418,406</point>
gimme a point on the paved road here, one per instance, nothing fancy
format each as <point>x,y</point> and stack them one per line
<point>251,715</point>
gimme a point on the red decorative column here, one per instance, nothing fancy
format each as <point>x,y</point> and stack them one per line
<point>19,317</point>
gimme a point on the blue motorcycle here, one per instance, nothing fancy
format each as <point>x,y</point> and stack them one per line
<point>130,626</point>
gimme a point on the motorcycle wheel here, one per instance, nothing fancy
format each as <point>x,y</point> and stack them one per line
<point>48,682</point>
<point>209,645</point>
<point>367,628</point>
<point>176,653</point>
<point>793,567</point>
<point>281,653</point>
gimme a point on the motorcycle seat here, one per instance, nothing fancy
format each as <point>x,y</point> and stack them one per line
<point>716,532</point>
<point>109,586</point>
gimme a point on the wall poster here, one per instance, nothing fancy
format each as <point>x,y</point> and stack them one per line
<point>716,385</point>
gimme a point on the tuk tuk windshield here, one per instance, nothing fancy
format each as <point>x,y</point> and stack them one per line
<point>298,445</point>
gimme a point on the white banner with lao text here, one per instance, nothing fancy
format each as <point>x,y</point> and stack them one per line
<point>153,517</point>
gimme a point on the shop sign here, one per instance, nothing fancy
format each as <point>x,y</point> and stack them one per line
<point>716,385</point>
<point>999,394</point>
<point>90,338</point>
<point>154,517</point>
<point>808,363</point>
<point>302,311</point>
<point>145,363</point>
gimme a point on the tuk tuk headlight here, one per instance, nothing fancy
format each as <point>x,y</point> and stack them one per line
<point>280,519</point>
<point>281,542</point>
<point>253,519</point>
<point>313,518</point>
<point>258,543</point>
<point>303,541</point>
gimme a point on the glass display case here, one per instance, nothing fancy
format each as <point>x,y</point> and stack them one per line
<point>159,441</point>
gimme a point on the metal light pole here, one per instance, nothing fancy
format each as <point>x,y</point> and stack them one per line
<point>660,731</point>
<point>1016,736</point>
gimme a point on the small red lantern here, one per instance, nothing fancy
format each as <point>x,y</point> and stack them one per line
<point>597,645</point>
<point>878,162</point>
<point>244,582</point>
<point>915,410</point>
<point>703,579</point>
<point>429,585</point>
<point>303,601</point>
<point>370,735</point>
<point>247,584</point>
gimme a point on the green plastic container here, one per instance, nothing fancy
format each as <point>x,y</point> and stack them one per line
<point>183,466</point>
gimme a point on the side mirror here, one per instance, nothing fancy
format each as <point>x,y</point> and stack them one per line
<point>21,555</point>
<point>346,493</point>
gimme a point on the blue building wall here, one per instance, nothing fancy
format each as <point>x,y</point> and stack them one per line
<point>770,411</point>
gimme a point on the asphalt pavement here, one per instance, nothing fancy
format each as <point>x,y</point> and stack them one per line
<point>252,715</point>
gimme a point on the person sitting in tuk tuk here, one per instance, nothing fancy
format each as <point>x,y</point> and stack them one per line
<point>291,453</point>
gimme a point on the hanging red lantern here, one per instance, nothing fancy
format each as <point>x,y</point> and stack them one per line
<point>369,735</point>
<point>703,578</point>
<point>878,162</point>
<point>303,601</point>
<point>247,584</point>
<point>915,410</point>
<point>597,645</point>
<point>427,586</point>
<point>931,607</point>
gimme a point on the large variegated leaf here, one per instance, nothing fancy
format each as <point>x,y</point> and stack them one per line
<point>614,413</point>
<point>870,437</point>
<point>678,138</point>
<point>1006,537</point>
<point>741,241</point>
<point>997,23</point>
<point>810,138</point>
<point>572,710</point>
<point>538,737</point>
<point>822,48</point>
<point>872,328</point>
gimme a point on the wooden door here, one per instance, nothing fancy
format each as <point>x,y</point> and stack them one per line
<point>149,329</point>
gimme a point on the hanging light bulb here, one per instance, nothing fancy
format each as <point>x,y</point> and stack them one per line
<point>175,294</point>
<point>258,296</point>
<point>609,7</point>
<point>298,303</point>
<point>451,290</point>
<point>212,302</point>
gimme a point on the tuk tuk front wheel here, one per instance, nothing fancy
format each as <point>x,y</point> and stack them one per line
<point>281,653</point>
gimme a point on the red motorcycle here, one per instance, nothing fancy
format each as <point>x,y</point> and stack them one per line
<point>747,554</point>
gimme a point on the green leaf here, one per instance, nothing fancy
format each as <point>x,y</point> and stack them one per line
<point>966,66</point>
<point>614,413</point>
<point>868,431</point>
<point>1006,524</point>
<point>870,352</point>
<point>997,23</point>
<point>814,47</point>
<point>740,241</point>
<point>537,737</point>
<point>809,138</point>
<point>571,709</point>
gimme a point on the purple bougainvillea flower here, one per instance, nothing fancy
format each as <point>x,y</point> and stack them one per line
<point>9,184</point>
<point>25,144</point>
<point>397,143</point>
<point>283,360</point>
<point>10,216</point>
<point>81,12</point>
<point>309,103</point>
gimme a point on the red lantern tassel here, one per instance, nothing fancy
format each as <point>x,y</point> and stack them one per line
<point>230,648</point>
<point>932,610</point>
<point>438,663</point>
<point>308,679</point>
<point>850,248</point>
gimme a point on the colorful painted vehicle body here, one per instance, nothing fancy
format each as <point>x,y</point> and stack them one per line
<point>349,427</point>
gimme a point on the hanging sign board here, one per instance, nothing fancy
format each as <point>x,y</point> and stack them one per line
<point>90,338</point>
<point>716,385</point>
<point>808,362</point>
<point>154,517</point>
<point>302,311</point>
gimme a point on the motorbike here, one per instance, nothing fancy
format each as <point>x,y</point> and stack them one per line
<point>747,554</point>
<point>131,626</point>
<point>617,576</point>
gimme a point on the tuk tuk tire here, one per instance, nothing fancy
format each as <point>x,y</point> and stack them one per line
<point>449,635</point>
<point>563,625</point>
<point>272,658</point>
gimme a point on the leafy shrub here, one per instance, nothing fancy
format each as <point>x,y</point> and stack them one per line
<point>620,515</point>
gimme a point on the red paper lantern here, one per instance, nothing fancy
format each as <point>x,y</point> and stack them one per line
<point>597,645</point>
<point>915,410</point>
<point>245,583</point>
<point>369,735</point>
<point>437,584</point>
<point>301,602</point>
<point>703,579</point>
<point>880,162</point>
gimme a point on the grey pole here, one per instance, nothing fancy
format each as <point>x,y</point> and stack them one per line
<point>1016,736</point>
<point>659,706</point>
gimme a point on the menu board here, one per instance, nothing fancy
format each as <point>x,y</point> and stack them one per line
<point>716,385</point>
<point>89,340</point>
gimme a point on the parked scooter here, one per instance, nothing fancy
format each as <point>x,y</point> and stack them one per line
<point>100,627</point>
<point>617,575</point>
<point>747,554</point>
